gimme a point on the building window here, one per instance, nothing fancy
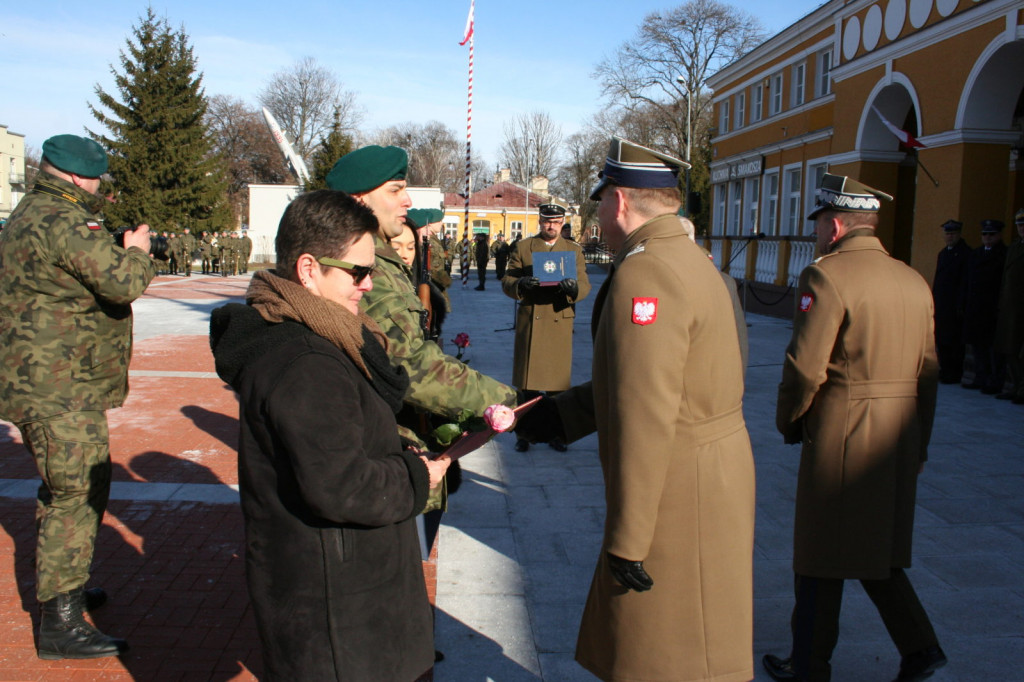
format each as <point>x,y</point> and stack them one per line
<point>751,199</point>
<point>757,103</point>
<point>797,96</point>
<point>775,105</point>
<point>791,201</point>
<point>723,123</point>
<point>815,172</point>
<point>719,226</point>
<point>771,203</point>
<point>736,207</point>
<point>824,73</point>
<point>741,109</point>
<point>517,229</point>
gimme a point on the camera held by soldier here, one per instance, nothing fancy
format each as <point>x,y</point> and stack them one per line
<point>157,244</point>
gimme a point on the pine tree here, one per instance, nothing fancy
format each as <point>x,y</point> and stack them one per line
<point>161,161</point>
<point>336,145</point>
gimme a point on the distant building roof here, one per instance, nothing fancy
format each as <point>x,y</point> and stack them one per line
<point>505,194</point>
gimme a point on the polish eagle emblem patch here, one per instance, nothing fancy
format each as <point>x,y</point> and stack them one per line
<point>806,301</point>
<point>645,310</point>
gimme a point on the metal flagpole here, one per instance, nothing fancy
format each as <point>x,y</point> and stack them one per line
<point>464,261</point>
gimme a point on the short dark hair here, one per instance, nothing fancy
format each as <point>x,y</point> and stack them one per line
<point>851,220</point>
<point>321,223</point>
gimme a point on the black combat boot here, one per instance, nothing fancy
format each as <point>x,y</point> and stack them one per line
<point>64,633</point>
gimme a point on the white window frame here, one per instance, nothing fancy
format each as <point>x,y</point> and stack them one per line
<point>824,77</point>
<point>791,193</point>
<point>516,229</point>
<point>816,168</point>
<point>741,110</point>
<point>757,103</point>
<point>770,202</point>
<point>723,119</point>
<point>718,226</point>
<point>751,202</point>
<point>736,207</point>
<point>775,95</point>
<point>797,90</point>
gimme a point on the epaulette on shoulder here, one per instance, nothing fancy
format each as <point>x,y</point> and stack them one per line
<point>823,257</point>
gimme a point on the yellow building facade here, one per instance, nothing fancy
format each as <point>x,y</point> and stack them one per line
<point>816,98</point>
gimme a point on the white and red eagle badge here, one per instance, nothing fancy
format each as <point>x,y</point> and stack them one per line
<point>806,301</point>
<point>645,310</point>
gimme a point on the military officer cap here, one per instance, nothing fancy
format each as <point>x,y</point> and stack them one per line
<point>630,165</point>
<point>425,216</point>
<point>367,168</point>
<point>74,154</point>
<point>952,226</point>
<point>990,226</point>
<point>552,209</point>
<point>1019,218</point>
<point>840,193</point>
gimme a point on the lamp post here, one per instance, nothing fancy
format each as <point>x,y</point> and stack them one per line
<point>689,133</point>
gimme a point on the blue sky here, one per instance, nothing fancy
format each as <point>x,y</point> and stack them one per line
<point>401,57</point>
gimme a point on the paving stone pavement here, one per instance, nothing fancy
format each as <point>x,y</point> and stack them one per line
<point>518,545</point>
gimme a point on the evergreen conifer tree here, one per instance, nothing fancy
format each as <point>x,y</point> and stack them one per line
<point>161,161</point>
<point>336,145</point>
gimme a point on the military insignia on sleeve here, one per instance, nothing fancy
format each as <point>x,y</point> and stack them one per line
<point>806,301</point>
<point>92,225</point>
<point>645,310</point>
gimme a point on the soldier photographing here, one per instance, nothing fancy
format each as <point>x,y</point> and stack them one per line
<point>66,291</point>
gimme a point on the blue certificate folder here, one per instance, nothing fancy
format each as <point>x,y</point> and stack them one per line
<point>553,266</point>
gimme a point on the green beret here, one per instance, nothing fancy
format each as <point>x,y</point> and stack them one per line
<point>368,168</point>
<point>425,216</point>
<point>74,154</point>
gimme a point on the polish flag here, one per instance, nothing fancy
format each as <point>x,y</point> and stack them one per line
<point>903,136</point>
<point>469,25</point>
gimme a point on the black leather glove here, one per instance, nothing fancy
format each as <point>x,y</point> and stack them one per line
<point>541,423</point>
<point>629,574</point>
<point>569,287</point>
<point>527,284</point>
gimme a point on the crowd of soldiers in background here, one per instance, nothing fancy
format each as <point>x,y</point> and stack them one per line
<point>224,253</point>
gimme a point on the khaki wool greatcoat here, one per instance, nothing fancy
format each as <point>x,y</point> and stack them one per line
<point>542,357</point>
<point>858,388</point>
<point>666,401</point>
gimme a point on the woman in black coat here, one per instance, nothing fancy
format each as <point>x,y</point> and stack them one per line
<point>328,494</point>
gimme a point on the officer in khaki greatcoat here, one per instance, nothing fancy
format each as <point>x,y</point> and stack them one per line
<point>672,593</point>
<point>65,342</point>
<point>542,355</point>
<point>858,390</point>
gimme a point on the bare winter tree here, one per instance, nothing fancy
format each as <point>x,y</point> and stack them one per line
<point>667,62</point>
<point>304,99</point>
<point>33,156</point>
<point>241,138</point>
<point>584,153</point>
<point>531,136</point>
<point>436,155</point>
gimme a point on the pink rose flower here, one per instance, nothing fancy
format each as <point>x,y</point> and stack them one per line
<point>499,417</point>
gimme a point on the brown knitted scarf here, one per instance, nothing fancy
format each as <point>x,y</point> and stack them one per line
<point>278,299</point>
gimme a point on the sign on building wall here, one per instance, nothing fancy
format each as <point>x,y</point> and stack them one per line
<point>736,171</point>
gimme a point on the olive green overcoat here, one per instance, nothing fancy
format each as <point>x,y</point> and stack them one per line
<point>666,401</point>
<point>542,357</point>
<point>858,389</point>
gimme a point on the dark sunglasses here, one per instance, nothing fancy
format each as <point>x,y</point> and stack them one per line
<point>358,272</point>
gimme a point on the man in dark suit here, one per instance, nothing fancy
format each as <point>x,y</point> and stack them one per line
<point>948,293</point>
<point>984,282</point>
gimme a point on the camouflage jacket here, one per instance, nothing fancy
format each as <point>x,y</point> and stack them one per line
<point>188,244</point>
<point>65,306</point>
<point>438,383</point>
<point>438,273</point>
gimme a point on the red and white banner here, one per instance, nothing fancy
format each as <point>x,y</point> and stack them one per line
<point>904,137</point>
<point>469,25</point>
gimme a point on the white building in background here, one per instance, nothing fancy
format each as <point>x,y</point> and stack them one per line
<point>12,171</point>
<point>268,202</point>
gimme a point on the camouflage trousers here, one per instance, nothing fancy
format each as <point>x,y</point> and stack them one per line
<point>72,454</point>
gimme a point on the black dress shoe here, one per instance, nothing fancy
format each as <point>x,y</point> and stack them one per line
<point>93,598</point>
<point>990,390</point>
<point>1019,400</point>
<point>780,669</point>
<point>974,385</point>
<point>522,445</point>
<point>1005,395</point>
<point>479,288</point>
<point>921,665</point>
<point>558,445</point>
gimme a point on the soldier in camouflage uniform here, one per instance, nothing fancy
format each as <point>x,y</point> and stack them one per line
<point>246,253</point>
<point>65,343</point>
<point>187,244</point>
<point>173,253</point>
<point>439,383</point>
<point>206,253</point>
